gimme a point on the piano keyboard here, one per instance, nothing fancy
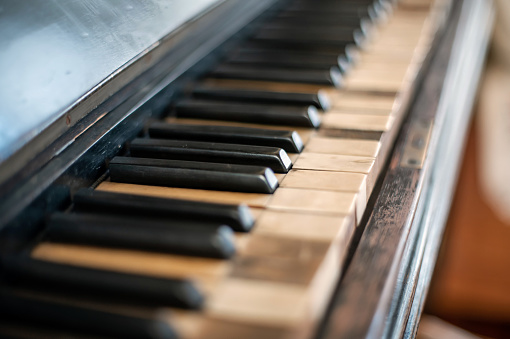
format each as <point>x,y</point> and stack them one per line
<point>232,218</point>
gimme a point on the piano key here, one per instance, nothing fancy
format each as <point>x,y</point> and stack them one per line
<point>304,133</point>
<point>287,20</point>
<point>276,310</point>
<point>281,269</point>
<point>373,84</point>
<point>180,237</point>
<point>337,231</point>
<point>364,103</point>
<point>101,284</point>
<point>339,9</point>
<point>256,200</point>
<point>347,53</point>
<point>331,77</point>
<point>82,320</point>
<point>191,174</point>
<point>347,49</point>
<point>327,180</point>
<point>304,116</point>
<point>267,85</point>
<point>390,74</point>
<point>287,140</point>
<point>364,148</point>
<point>204,272</point>
<point>291,18</point>
<point>318,99</point>
<point>238,217</point>
<point>325,19</point>
<point>312,200</point>
<point>311,36</point>
<point>272,157</point>
<point>359,122</point>
<point>309,161</point>
<point>293,225</point>
<point>332,181</point>
<point>268,57</point>
<point>362,111</point>
<point>335,162</point>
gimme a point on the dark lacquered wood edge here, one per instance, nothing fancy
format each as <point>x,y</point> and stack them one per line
<point>444,173</point>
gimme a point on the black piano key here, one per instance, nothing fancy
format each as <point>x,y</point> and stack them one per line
<point>302,116</point>
<point>318,99</point>
<point>340,57</point>
<point>340,9</point>
<point>237,217</point>
<point>273,157</point>
<point>331,77</point>
<point>22,271</point>
<point>296,18</point>
<point>287,140</point>
<point>346,49</point>
<point>192,174</point>
<point>287,59</point>
<point>311,36</point>
<point>81,320</point>
<point>358,28</point>
<point>180,237</point>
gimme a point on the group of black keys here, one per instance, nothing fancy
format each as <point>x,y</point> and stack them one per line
<point>307,42</point>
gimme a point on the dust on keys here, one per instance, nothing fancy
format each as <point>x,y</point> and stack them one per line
<point>270,173</point>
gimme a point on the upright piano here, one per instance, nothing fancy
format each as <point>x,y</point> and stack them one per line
<point>226,168</point>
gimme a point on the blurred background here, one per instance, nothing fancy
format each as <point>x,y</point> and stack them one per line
<point>471,284</point>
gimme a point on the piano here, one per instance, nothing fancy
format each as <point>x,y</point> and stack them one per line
<point>229,169</point>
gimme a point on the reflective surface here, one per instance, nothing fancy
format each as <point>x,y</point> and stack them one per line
<point>52,52</point>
